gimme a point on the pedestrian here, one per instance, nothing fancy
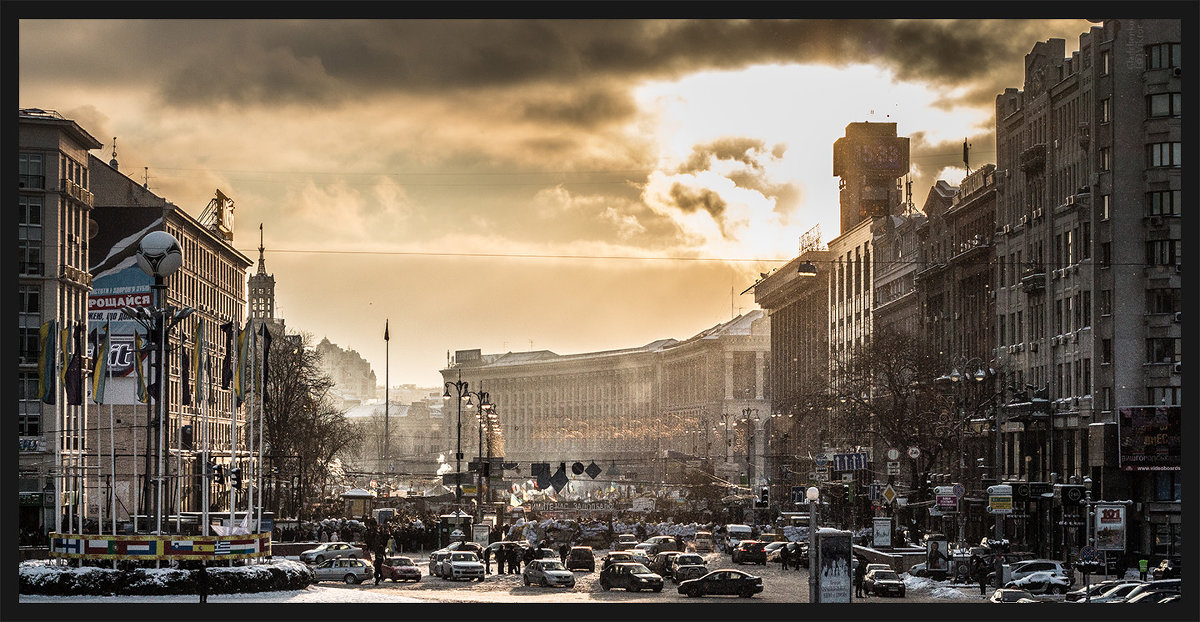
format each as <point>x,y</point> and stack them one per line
<point>981,573</point>
<point>514,560</point>
<point>785,555</point>
<point>529,556</point>
<point>501,553</point>
<point>562,552</point>
<point>378,566</point>
<point>487,560</point>
<point>202,581</point>
<point>1143,567</point>
<point>859,572</point>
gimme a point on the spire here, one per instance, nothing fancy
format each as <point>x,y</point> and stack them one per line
<point>113,161</point>
<point>262,265</point>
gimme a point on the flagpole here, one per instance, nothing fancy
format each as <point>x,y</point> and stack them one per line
<point>262,379</point>
<point>58,454</point>
<point>205,482</point>
<point>250,435</point>
<point>61,398</point>
<point>99,441</point>
<point>83,420</point>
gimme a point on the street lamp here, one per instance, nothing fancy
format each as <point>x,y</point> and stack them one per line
<point>813,495</point>
<point>958,379</point>
<point>725,424</point>
<point>460,391</point>
<point>750,418</point>
<point>485,408</point>
<point>159,256</point>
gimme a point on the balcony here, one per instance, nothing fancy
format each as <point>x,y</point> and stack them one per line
<point>1033,159</point>
<point>77,192</point>
<point>75,275</point>
<point>1033,279</point>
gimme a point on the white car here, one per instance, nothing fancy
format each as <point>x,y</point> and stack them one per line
<point>462,565</point>
<point>1021,569</point>
<point>349,570</point>
<point>331,550</point>
<point>1041,582</point>
<point>548,573</point>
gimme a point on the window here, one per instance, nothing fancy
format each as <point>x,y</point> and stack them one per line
<point>1106,110</point>
<point>1105,206</point>
<point>1106,350</point>
<point>1085,308</point>
<point>1164,105</point>
<point>1163,350</point>
<point>1105,254</point>
<point>30,299</point>
<point>1104,156</point>
<point>29,417</point>
<point>1163,395</point>
<point>31,174</point>
<point>1168,486</point>
<point>1163,56</point>
<point>1164,203</point>
<point>1164,252</point>
<point>1168,539</point>
<point>1164,300</point>
<point>1164,154</point>
<point>29,234</point>
<point>1105,62</point>
<point>1085,240</point>
<point>28,342</point>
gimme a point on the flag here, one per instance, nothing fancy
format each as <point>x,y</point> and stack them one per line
<point>64,342</point>
<point>186,383</point>
<point>266,360</point>
<point>247,350</point>
<point>227,368</point>
<point>385,330</point>
<point>100,369</point>
<point>74,375</point>
<point>142,394</point>
<point>966,149</point>
<point>239,375</point>
<point>46,358</point>
<point>199,364</point>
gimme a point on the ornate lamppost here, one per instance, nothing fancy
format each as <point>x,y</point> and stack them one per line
<point>460,392</point>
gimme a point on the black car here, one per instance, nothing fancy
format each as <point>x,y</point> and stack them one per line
<point>632,576</point>
<point>615,557</point>
<point>661,563</point>
<point>727,581</point>
<point>582,558</point>
<point>750,552</point>
<point>880,582</point>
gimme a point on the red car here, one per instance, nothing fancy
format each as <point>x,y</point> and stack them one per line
<point>401,569</point>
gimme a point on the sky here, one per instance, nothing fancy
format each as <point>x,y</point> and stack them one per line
<point>519,184</point>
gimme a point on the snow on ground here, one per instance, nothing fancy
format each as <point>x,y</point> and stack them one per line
<point>938,589</point>
<point>312,594</point>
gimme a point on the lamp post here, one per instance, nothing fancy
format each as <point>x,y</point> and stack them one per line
<point>460,392</point>
<point>813,495</point>
<point>480,401</point>
<point>750,418</point>
<point>159,256</point>
<point>957,378</point>
<point>725,424</point>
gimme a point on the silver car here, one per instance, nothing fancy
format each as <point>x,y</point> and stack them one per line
<point>343,569</point>
<point>331,550</point>
<point>462,565</point>
<point>548,573</point>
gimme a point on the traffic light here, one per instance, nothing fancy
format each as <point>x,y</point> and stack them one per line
<point>764,496</point>
<point>235,477</point>
<point>220,471</point>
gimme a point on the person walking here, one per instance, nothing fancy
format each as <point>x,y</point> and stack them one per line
<point>378,564</point>
<point>981,573</point>
<point>501,553</point>
<point>859,572</point>
<point>1143,567</point>
<point>202,581</point>
<point>785,555</point>
<point>514,561</point>
<point>487,560</point>
<point>562,552</point>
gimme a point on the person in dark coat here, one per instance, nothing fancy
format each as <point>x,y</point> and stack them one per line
<point>202,581</point>
<point>514,561</point>
<point>378,555</point>
<point>529,556</point>
<point>981,573</point>
<point>501,553</point>
<point>562,552</point>
<point>859,573</point>
<point>785,555</point>
<point>487,560</point>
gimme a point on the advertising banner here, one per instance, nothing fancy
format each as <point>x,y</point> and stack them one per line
<point>937,556</point>
<point>1149,438</point>
<point>1110,527</point>
<point>882,531</point>
<point>833,560</point>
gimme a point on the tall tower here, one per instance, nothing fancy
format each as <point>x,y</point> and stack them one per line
<point>869,159</point>
<point>262,288</point>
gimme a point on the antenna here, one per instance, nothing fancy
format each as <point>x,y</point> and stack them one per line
<point>146,177</point>
<point>113,161</point>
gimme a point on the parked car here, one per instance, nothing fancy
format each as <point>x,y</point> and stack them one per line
<point>436,562</point>
<point>1166,569</point>
<point>1116,593</point>
<point>659,544</point>
<point>1021,569</point>
<point>631,576</point>
<point>646,549</point>
<point>544,553</point>
<point>639,556</point>
<point>1010,595</point>
<point>703,543</point>
<point>1149,586</point>
<point>626,541</point>
<point>737,533</point>
<point>794,549</point>
<point>750,552</point>
<point>1081,594</point>
<point>547,573</point>
<point>877,566</point>
<point>343,569</point>
<point>683,566</point>
<point>581,557</point>
<point>331,550</point>
<point>401,569</point>
<point>1041,582</point>
<point>463,545</point>
<point>1153,596</point>
<point>883,582</point>
<point>727,581</point>
<point>1173,598</point>
<point>504,544</point>
<point>918,570</point>
<point>661,563</point>
<point>614,557</point>
<point>462,565</point>
<point>772,548</point>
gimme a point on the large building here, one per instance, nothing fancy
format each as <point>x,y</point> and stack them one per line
<point>1089,238</point>
<point>55,212</point>
<point>626,408</point>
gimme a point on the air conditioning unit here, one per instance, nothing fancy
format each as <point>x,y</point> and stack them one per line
<point>1177,368</point>
<point>1019,347</point>
<point>1177,316</point>
<point>1177,72</point>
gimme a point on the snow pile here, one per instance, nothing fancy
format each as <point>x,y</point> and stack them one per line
<point>919,583</point>
<point>48,577</point>
<point>942,591</point>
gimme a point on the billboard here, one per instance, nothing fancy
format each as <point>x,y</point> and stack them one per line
<point>881,534</point>
<point>1149,438</point>
<point>1110,527</point>
<point>937,556</point>
<point>833,560</point>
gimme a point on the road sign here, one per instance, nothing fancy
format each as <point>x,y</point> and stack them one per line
<point>847,477</point>
<point>946,499</point>
<point>822,475</point>
<point>893,454</point>
<point>1000,499</point>
<point>1087,553</point>
<point>797,494</point>
<point>893,468</point>
<point>850,462</point>
<point>914,452</point>
<point>889,494</point>
<point>821,460</point>
<point>959,490</point>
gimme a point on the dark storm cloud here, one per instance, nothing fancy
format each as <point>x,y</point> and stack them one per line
<point>692,199</point>
<point>739,149</point>
<point>587,108</point>
<point>196,63</point>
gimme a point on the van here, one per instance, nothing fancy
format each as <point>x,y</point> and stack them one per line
<point>703,542</point>
<point>737,533</point>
